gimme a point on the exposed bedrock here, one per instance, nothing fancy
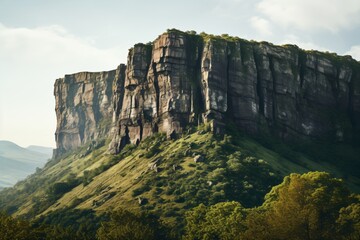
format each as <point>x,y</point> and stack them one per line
<point>181,79</point>
<point>83,108</point>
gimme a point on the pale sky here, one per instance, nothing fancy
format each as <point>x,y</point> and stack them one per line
<point>42,40</point>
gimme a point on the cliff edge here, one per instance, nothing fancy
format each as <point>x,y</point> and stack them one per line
<point>184,78</point>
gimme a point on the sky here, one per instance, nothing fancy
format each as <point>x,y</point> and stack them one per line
<point>42,40</point>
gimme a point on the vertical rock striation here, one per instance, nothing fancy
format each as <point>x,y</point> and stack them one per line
<point>83,108</point>
<point>183,79</point>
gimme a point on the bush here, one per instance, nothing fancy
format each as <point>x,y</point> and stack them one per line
<point>220,221</point>
<point>141,190</point>
<point>11,228</point>
<point>129,225</point>
<point>58,189</point>
<point>192,165</point>
<point>309,206</point>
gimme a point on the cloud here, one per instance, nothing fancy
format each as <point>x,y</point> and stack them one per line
<point>261,25</point>
<point>330,15</point>
<point>53,46</point>
<point>354,52</point>
<point>30,61</point>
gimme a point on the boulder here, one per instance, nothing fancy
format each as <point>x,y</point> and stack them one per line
<point>198,158</point>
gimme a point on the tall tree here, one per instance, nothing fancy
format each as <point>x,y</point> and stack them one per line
<point>12,228</point>
<point>304,206</point>
<point>130,225</point>
<point>220,221</point>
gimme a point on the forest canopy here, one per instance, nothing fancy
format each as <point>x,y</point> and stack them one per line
<point>309,206</point>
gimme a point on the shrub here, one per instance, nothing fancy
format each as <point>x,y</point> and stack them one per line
<point>129,225</point>
<point>58,189</point>
<point>141,190</point>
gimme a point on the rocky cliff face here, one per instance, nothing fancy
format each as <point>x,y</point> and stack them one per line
<point>183,79</point>
<point>83,108</point>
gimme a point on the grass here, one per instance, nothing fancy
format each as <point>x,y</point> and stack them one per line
<point>234,167</point>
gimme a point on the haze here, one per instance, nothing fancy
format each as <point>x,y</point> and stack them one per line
<point>41,41</point>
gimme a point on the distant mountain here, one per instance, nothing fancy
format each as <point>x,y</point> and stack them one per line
<point>40,149</point>
<point>17,162</point>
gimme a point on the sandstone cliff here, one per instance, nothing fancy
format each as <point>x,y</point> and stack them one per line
<point>183,78</point>
<point>83,108</point>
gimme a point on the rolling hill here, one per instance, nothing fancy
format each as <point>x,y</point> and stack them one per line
<point>17,162</point>
<point>163,176</point>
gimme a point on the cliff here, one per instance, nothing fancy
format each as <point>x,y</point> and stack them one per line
<point>83,108</point>
<point>184,78</point>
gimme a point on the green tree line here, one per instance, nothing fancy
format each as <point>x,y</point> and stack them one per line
<point>309,206</point>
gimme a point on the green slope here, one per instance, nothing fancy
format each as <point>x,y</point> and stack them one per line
<point>232,167</point>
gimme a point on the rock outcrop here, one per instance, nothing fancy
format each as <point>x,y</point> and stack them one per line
<point>183,78</point>
<point>83,108</point>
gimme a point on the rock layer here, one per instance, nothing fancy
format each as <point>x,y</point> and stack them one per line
<point>183,79</point>
<point>83,108</point>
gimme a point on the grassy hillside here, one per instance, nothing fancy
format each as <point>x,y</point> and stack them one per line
<point>161,176</point>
